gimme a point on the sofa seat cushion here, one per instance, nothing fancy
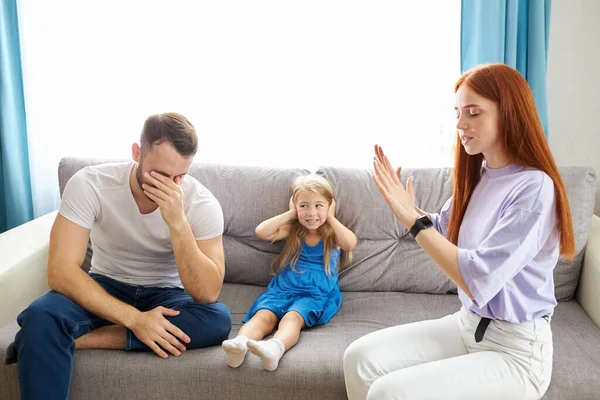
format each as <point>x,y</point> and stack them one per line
<point>312,369</point>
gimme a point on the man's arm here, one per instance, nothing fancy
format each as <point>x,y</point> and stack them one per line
<point>200,263</point>
<point>68,244</point>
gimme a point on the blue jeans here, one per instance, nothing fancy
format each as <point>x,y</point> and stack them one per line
<point>50,325</point>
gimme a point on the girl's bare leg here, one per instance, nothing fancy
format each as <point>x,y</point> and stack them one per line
<point>271,351</point>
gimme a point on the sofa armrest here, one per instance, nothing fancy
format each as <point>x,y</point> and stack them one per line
<point>23,265</point>
<point>588,290</point>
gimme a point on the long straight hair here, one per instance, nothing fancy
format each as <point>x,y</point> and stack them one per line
<point>294,241</point>
<point>524,143</point>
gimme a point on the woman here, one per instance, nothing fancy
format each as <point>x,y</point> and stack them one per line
<point>498,238</point>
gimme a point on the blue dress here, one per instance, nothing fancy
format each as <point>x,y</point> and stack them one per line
<point>306,289</point>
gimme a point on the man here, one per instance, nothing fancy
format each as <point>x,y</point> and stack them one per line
<point>157,266</point>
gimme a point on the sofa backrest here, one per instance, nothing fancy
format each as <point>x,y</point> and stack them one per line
<point>387,258</point>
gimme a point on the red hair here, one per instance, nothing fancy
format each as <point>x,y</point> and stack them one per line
<point>524,144</point>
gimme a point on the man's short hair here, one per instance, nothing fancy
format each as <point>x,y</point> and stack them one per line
<point>173,128</point>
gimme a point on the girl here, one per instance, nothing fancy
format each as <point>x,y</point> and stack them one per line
<point>498,238</point>
<point>305,290</point>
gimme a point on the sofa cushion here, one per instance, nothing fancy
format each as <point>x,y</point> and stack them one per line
<point>248,196</point>
<point>311,370</point>
<point>387,257</point>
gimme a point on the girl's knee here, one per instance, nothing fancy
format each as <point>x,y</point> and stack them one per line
<point>294,316</point>
<point>268,317</point>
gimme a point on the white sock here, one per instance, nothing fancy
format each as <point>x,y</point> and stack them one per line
<point>270,351</point>
<point>236,350</point>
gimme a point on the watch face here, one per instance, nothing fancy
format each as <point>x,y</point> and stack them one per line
<point>425,221</point>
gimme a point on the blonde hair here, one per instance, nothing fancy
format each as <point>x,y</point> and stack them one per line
<point>293,243</point>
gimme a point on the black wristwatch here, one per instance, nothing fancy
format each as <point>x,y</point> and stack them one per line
<point>423,222</point>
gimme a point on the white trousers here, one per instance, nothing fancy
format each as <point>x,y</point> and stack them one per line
<point>439,359</point>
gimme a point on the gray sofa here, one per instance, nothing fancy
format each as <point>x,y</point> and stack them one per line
<point>390,282</point>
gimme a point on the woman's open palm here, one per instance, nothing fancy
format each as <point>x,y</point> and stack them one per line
<point>401,201</point>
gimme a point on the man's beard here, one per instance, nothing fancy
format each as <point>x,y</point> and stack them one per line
<point>139,179</point>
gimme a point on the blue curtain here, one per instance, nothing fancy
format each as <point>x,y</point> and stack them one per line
<point>16,203</point>
<point>511,32</point>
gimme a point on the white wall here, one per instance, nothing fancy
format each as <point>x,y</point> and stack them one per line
<point>574,84</point>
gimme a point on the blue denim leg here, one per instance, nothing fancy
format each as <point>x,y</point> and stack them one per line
<point>46,340</point>
<point>205,324</point>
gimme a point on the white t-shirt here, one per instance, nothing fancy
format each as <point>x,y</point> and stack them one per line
<point>128,246</point>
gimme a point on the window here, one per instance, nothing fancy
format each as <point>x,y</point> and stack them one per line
<point>273,83</point>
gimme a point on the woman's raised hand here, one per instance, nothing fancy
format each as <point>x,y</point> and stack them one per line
<point>401,201</point>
